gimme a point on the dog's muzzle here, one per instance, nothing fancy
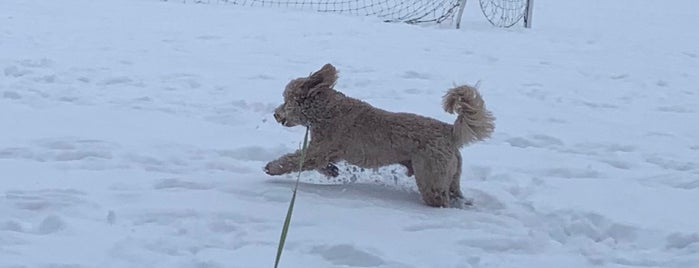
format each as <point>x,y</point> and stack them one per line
<point>280,119</point>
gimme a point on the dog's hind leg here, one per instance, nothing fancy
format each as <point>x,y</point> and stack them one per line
<point>455,186</point>
<point>455,194</point>
<point>432,181</point>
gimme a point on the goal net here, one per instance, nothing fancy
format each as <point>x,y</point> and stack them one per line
<point>504,13</point>
<point>417,11</point>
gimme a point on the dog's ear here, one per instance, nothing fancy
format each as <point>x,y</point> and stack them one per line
<point>323,79</point>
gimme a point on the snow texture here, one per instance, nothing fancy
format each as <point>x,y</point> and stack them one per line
<point>133,134</point>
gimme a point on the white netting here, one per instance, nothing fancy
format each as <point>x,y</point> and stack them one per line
<point>435,11</point>
<point>503,13</point>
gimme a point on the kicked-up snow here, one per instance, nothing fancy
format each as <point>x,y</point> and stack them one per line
<point>133,134</point>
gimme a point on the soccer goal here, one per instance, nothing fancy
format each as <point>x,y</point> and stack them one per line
<point>501,13</point>
<point>506,13</point>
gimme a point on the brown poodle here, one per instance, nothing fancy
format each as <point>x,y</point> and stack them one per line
<point>343,128</point>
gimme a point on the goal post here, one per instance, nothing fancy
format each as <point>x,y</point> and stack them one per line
<point>528,14</point>
<point>462,6</point>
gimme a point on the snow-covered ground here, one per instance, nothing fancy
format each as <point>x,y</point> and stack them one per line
<point>133,134</point>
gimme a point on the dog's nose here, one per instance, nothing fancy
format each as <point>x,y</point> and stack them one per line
<point>280,119</point>
<point>277,117</point>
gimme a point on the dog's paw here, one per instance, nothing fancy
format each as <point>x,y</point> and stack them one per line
<point>330,170</point>
<point>274,168</point>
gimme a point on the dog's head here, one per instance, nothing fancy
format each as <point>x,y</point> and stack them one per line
<point>300,94</point>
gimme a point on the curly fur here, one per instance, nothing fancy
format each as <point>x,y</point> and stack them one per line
<point>344,128</point>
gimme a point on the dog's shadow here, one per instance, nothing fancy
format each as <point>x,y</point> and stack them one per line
<point>375,193</point>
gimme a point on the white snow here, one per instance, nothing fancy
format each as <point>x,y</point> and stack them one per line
<point>133,134</point>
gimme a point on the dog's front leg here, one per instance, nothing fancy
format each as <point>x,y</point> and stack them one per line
<point>290,162</point>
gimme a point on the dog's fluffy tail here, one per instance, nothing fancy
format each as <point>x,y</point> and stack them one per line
<point>474,121</point>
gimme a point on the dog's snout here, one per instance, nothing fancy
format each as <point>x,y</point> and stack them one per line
<point>280,119</point>
<point>277,116</point>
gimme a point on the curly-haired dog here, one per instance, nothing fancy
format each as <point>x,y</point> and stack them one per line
<point>343,128</point>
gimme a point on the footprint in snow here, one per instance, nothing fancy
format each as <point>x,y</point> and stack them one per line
<point>619,76</point>
<point>14,71</point>
<point>671,164</point>
<point>565,226</point>
<point>47,79</point>
<point>261,77</point>
<point>181,81</point>
<point>600,149</point>
<point>534,91</point>
<point>616,163</point>
<point>504,245</point>
<point>16,153</point>
<point>680,240</point>
<point>37,63</point>
<point>208,37</point>
<point>415,75</point>
<point>73,149</point>
<point>12,226</point>
<point>45,200</point>
<point>535,141</point>
<point>347,255</point>
<point>172,184</point>
<point>117,80</point>
<point>675,109</point>
<point>572,173</point>
<point>50,224</point>
<point>413,91</point>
